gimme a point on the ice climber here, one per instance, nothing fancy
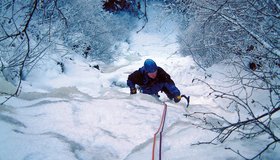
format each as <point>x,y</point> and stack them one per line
<point>151,79</point>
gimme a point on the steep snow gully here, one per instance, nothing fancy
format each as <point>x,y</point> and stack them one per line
<point>88,114</point>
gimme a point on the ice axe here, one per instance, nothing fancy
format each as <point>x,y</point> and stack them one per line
<point>188,100</point>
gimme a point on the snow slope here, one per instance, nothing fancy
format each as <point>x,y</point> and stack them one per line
<point>88,114</point>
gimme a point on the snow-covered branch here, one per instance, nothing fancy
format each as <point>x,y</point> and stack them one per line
<point>253,117</point>
<point>257,37</point>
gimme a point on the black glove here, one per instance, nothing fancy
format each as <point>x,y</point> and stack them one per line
<point>177,99</point>
<point>133,91</point>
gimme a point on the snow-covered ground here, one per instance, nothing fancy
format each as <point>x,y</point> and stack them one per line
<point>88,114</point>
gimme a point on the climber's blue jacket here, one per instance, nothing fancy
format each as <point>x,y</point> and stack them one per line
<point>162,82</point>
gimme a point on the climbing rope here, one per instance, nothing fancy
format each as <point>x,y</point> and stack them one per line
<point>160,130</point>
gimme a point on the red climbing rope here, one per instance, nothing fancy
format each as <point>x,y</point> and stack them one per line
<point>160,129</point>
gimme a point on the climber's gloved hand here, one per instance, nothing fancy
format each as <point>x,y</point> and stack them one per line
<point>177,99</point>
<point>133,90</point>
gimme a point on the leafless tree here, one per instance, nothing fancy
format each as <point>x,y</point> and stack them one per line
<point>254,117</point>
<point>28,28</point>
<point>244,34</point>
<point>21,41</point>
<point>222,28</point>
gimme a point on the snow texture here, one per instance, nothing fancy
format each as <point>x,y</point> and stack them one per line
<point>88,114</point>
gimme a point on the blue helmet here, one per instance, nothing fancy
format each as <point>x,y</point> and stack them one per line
<point>150,66</point>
